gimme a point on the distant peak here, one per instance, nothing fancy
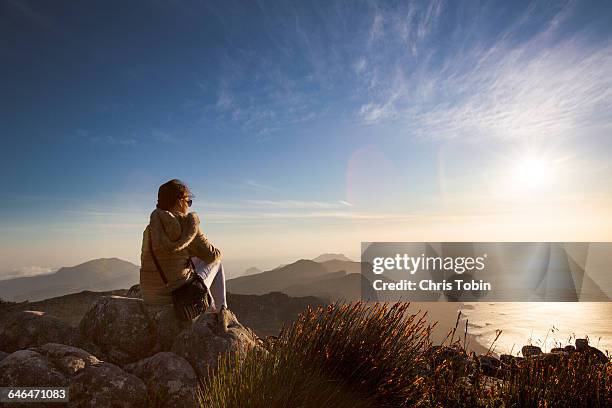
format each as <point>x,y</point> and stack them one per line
<point>332,257</point>
<point>103,261</point>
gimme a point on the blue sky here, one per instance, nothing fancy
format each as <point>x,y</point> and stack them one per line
<point>302,127</point>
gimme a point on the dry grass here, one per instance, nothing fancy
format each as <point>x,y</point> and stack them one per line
<point>378,355</point>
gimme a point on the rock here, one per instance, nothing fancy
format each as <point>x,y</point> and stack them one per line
<point>121,328</point>
<point>167,326</point>
<point>570,348</point>
<point>91,382</point>
<point>68,360</point>
<point>106,385</point>
<point>597,355</point>
<point>529,351</point>
<point>489,361</point>
<point>582,344</point>
<point>451,355</point>
<point>3,355</point>
<point>558,350</point>
<point>548,359</point>
<point>23,329</point>
<point>134,292</point>
<point>27,368</point>
<point>169,378</point>
<point>202,343</point>
<point>489,365</point>
<point>506,358</point>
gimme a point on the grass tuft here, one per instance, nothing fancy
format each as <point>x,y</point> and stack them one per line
<point>380,355</point>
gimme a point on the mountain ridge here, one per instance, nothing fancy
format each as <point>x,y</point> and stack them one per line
<point>97,274</point>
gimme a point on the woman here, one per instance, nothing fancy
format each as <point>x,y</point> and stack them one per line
<point>176,240</point>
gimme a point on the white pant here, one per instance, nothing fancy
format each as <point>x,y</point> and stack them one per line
<point>214,279</point>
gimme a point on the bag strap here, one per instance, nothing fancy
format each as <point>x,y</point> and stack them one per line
<point>159,269</point>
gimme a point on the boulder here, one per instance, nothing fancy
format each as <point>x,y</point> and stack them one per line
<point>106,385</point>
<point>596,355</point>
<point>68,360</point>
<point>548,359</point>
<point>203,342</point>
<point>489,364</point>
<point>23,329</point>
<point>582,344</point>
<point>167,326</point>
<point>570,348</point>
<point>121,328</point>
<point>3,355</point>
<point>134,292</point>
<point>506,358</point>
<point>169,378</point>
<point>530,351</point>
<point>451,355</point>
<point>91,382</point>
<point>27,368</point>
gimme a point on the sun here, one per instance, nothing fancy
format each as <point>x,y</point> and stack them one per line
<point>532,172</point>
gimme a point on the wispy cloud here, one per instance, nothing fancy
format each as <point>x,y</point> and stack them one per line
<point>164,137</point>
<point>549,85</point>
<point>293,204</point>
<point>252,184</point>
<point>114,140</point>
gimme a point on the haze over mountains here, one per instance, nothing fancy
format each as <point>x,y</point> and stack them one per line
<point>99,274</point>
<point>334,277</point>
<point>328,276</point>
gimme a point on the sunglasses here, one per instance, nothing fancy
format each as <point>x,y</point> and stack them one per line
<point>189,201</point>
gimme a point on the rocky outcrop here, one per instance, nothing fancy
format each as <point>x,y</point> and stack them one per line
<point>22,329</point>
<point>124,354</point>
<point>121,328</point>
<point>166,326</point>
<point>530,351</point>
<point>134,292</point>
<point>170,380</point>
<point>91,382</point>
<point>106,385</point>
<point>27,368</point>
<point>492,367</point>
<point>489,365</point>
<point>203,342</point>
<point>582,346</point>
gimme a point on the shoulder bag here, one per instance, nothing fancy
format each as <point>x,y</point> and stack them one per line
<point>192,298</point>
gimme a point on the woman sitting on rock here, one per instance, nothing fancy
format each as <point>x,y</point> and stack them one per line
<point>179,245</point>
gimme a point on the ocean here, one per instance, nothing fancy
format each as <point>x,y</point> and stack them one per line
<point>544,324</point>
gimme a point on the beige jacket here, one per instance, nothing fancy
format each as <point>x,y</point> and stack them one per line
<point>175,238</point>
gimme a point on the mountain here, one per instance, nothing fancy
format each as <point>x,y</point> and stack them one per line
<point>330,280</point>
<point>330,257</point>
<point>277,279</point>
<point>336,265</point>
<point>99,274</point>
<point>251,271</point>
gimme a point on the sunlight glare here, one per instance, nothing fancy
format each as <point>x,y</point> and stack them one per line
<point>532,172</point>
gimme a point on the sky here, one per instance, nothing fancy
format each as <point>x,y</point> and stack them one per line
<point>301,127</point>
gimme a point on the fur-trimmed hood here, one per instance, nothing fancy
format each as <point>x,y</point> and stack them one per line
<point>172,231</point>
